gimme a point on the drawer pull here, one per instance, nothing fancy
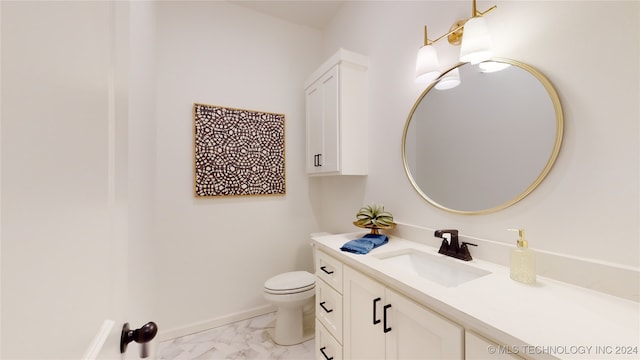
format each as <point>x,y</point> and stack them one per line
<point>324,268</point>
<point>324,308</point>
<point>375,301</point>
<point>386,329</point>
<point>325,355</point>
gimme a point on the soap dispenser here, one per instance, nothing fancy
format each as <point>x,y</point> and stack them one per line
<point>523,261</point>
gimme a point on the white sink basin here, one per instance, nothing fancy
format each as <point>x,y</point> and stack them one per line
<point>441,269</point>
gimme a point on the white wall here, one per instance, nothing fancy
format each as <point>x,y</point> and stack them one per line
<point>589,204</point>
<point>214,254</point>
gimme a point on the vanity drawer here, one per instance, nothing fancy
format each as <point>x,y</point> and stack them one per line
<point>326,346</point>
<point>329,270</point>
<point>329,309</point>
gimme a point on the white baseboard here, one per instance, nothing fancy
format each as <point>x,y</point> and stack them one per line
<point>213,323</point>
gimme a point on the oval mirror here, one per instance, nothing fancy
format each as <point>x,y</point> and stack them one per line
<point>486,143</point>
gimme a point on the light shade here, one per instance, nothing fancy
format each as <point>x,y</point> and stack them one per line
<point>492,66</point>
<point>449,80</point>
<point>427,65</point>
<point>476,42</point>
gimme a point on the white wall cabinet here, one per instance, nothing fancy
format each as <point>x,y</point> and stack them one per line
<point>379,323</point>
<point>336,115</point>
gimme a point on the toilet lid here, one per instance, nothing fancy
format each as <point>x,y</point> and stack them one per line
<point>295,280</point>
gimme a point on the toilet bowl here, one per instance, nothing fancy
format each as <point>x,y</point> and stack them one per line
<point>291,293</point>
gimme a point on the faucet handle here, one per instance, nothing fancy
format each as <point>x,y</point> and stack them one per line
<point>464,251</point>
<point>444,247</point>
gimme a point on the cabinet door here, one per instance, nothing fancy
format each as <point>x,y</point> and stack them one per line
<point>415,332</point>
<point>479,348</point>
<point>323,127</point>
<point>314,126</point>
<point>363,335</point>
<point>330,159</point>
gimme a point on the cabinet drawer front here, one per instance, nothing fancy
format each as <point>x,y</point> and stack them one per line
<point>326,346</point>
<point>329,270</point>
<point>329,309</point>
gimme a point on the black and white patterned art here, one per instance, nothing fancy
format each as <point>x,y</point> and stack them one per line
<point>238,152</point>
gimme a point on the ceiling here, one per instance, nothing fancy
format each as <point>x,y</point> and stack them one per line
<point>313,13</point>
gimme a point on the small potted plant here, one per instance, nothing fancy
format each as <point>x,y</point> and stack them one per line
<point>374,217</point>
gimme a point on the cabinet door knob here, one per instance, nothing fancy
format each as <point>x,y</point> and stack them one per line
<point>386,329</point>
<point>375,320</point>
<point>325,355</point>
<point>324,308</point>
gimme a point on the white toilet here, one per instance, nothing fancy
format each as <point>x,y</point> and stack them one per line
<point>292,293</point>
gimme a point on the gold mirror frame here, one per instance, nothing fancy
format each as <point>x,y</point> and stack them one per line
<point>553,96</point>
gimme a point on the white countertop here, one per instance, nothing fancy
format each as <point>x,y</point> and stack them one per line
<point>550,319</point>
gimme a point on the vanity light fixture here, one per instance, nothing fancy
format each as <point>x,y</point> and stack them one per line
<point>427,67</point>
<point>449,80</point>
<point>471,33</point>
<point>492,66</point>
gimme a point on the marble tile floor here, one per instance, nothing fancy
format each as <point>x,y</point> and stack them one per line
<point>247,339</point>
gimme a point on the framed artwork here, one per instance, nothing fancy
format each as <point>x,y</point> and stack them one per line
<point>238,152</point>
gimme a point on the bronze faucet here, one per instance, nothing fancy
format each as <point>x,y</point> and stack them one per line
<point>450,245</point>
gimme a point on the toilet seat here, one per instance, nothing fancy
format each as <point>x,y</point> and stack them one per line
<point>290,283</point>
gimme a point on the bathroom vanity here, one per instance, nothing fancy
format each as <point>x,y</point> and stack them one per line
<point>403,300</point>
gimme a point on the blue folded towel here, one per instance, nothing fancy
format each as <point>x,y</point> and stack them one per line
<point>365,243</point>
